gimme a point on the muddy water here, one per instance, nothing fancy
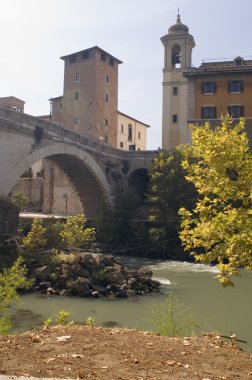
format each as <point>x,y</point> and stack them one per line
<point>216,309</point>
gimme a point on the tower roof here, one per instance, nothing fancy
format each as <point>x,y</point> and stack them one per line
<point>178,28</point>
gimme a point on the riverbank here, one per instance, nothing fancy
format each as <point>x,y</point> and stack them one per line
<point>84,352</point>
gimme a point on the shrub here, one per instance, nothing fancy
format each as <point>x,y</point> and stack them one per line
<point>35,238</point>
<point>75,234</point>
<point>171,318</point>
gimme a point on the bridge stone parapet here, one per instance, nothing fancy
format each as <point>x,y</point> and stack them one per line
<point>97,170</point>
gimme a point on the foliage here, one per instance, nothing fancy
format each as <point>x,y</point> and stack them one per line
<point>35,239</point>
<point>75,234</point>
<point>115,226</point>
<point>11,280</point>
<point>90,322</point>
<point>48,322</point>
<point>219,229</point>
<point>62,317</point>
<point>169,191</point>
<point>19,199</point>
<point>171,318</point>
<point>52,233</point>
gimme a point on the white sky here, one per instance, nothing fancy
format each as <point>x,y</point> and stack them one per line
<point>36,33</point>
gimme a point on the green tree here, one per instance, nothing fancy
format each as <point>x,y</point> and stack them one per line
<point>219,228</point>
<point>76,234</point>
<point>169,191</point>
<point>11,280</point>
<point>35,239</point>
<point>20,200</point>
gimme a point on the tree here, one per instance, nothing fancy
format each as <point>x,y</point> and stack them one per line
<point>115,226</point>
<point>76,234</point>
<point>11,280</point>
<point>20,200</point>
<point>169,191</point>
<point>219,228</point>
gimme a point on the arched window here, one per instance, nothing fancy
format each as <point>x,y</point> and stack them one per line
<point>176,56</point>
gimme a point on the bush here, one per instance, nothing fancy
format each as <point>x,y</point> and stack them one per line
<point>171,318</point>
<point>11,280</point>
<point>75,234</point>
<point>35,238</point>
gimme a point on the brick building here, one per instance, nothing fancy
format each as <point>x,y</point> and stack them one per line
<point>89,104</point>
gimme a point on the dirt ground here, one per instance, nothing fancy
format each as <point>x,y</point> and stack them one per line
<point>83,352</point>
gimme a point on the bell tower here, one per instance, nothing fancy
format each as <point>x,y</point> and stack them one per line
<point>178,92</point>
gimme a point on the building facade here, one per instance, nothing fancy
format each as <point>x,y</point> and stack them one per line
<point>89,105</point>
<point>12,103</point>
<point>131,133</point>
<point>205,93</point>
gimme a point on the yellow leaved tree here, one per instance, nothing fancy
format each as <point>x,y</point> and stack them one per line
<point>219,229</point>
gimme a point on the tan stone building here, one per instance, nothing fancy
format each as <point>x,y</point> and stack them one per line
<point>89,105</point>
<point>131,133</point>
<point>200,94</point>
<point>12,103</point>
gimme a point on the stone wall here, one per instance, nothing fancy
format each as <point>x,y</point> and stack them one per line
<point>33,189</point>
<point>9,217</point>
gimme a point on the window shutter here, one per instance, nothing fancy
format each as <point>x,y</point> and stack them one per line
<point>242,85</point>
<point>229,111</point>
<point>202,113</point>
<point>214,113</point>
<point>214,87</point>
<point>229,86</point>
<point>202,87</point>
<point>241,111</point>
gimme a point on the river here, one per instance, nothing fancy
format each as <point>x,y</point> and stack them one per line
<point>215,308</point>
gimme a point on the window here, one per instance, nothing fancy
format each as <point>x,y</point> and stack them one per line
<point>73,58</point>
<point>106,98</point>
<point>76,96</point>
<point>77,77</point>
<point>106,139</point>
<point>235,86</point>
<point>121,144</point>
<point>85,54</point>
<point>208,112</point>
<point>208,87</point>
<point>121,128</point>
<point>103,56</point>
<point>129,132</point>
<point>175,90</point>
<point>76,121</point>
<point>236,111</point>
<point>139,135</point>
<point>174,118</point>
<point>106,122</point>
<point>107,78</point>
<point>111,61</point>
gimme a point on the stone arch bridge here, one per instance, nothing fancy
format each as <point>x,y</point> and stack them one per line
<point>96,170</point>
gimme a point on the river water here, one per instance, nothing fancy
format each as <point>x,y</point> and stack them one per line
<point>226,311</point>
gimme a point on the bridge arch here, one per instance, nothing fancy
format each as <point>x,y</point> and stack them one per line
<point>84,172</point>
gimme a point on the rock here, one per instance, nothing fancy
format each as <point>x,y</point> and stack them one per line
<point>80,287</point>
<point>108,261</point>
<point>43,286</point>
<point>43,273</point>
<point>80,271</point>
<point>143,272</point>
<point>67,269</point>
<point>50,291</point>
<point>95,294</point>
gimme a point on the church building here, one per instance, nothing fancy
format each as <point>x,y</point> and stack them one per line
<point>198,94</point>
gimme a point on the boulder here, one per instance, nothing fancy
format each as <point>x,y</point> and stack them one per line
<point>43,273</point>
<point>80,287</point>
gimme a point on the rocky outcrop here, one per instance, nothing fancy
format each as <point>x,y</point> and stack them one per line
<point>90,276</point>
